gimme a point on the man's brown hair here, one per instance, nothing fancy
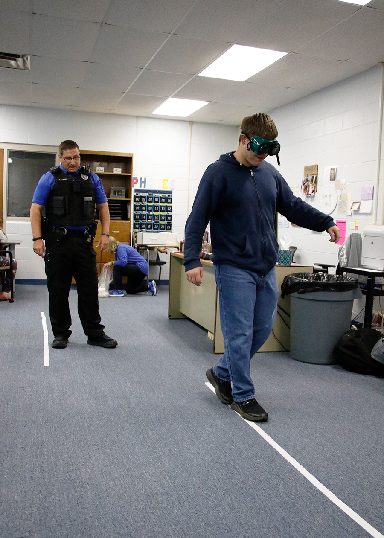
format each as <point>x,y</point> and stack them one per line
<point>260,124</point>
<point>67,144</point>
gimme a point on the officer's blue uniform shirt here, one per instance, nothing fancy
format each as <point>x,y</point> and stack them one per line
<point>47,181</point>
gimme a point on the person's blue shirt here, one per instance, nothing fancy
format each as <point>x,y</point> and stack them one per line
<point>125,254</point>
<point>47,181</point>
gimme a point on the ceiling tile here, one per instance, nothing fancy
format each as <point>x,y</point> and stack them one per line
<point>298,70</point>
<point>15,5</point>
<point>14,93</point>
<point>206,89</point>
<point>15,32</point>
<point>138,105</point>
<point>214,113</point>
<point>69,39</point>
<point>105,76</point>
<point>125,48</point>
<point>93,99</point>
<point>259,95</point>
<point>351,39</point>
<point>147,15</point>
<point>280,25</point>
<point>67,73</point>
<point>52,94</point>
<point>190,56</point>
<point>73,9</point>
<point>376,4</point>
<point>157,83</point>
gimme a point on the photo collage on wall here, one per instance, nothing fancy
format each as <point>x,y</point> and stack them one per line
<point>152,210</point>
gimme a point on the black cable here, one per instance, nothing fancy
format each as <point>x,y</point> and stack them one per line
<point>357,315</point>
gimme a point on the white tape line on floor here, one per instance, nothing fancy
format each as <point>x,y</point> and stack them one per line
<point>313,480</point>
<point>45,334</point>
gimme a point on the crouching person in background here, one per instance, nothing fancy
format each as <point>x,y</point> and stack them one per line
<point>128,262</point>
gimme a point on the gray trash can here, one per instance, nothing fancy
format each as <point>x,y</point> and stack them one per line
<point>318,321</point>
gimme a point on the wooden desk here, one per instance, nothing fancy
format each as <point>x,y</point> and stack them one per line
<point>370,293</point>
<point>201,303</point>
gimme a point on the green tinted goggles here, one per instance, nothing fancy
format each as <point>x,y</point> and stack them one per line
<point>263,146</point>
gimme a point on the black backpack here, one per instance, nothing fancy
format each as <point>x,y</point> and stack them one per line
<point>353,351</point>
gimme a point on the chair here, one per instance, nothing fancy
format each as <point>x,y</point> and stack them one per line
<point>157,262</point>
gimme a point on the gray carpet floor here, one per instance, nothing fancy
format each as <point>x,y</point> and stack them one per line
<point>130,442</point>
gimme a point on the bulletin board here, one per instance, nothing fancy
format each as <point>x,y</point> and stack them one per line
<point>152,210</point>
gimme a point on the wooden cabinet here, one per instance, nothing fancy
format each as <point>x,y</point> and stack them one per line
<point>115,171</point>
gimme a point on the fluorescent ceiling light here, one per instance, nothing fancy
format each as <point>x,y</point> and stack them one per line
<point>358,2</point>
<point>240,62</point>
<point>179,107</point>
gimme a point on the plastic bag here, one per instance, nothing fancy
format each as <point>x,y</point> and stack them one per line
<point>377,352</point>
<point>3,236</point>
<point>105,278</point>
<point>310,282</point>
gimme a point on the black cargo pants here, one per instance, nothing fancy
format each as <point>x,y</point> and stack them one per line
<point>72,256</point>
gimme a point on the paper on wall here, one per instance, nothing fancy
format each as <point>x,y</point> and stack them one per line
<point>366,206</point>
<point>344,203</point>
<point>330,173</point>
<point>367,192</point>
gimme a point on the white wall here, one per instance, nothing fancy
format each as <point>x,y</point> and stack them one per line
<point>338,126</point>
<point>177,150</point>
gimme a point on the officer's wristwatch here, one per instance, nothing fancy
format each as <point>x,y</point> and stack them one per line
<point>105,233</point>
<point>36,238</point>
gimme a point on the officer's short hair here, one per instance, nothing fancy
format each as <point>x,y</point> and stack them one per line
<point>260,124</point>
<point>67,144</point>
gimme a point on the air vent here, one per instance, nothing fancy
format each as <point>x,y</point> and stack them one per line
<point>15,61</point>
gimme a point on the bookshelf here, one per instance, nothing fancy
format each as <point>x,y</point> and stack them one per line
<point>115,171</point>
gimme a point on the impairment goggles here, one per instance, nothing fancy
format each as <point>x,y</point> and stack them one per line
<point>261,146</point>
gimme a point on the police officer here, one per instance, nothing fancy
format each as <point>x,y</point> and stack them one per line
<point>70,194</point>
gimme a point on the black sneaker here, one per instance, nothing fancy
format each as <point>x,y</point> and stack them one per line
<point>250,410</point>
<point>102,341</point>
<point>59,342</point>
<point>222,388</point>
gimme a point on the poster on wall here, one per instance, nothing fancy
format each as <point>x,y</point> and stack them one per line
<point>152,210</point>
<point>309,183</point>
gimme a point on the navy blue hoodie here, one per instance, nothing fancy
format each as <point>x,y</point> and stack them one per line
<point>241,203</point>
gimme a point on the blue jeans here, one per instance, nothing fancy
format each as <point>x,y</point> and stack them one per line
<point>247,309</point>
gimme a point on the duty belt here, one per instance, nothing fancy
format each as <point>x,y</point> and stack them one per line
<point>61,232</point>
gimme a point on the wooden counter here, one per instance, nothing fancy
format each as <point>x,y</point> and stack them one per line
<point>201,303</point>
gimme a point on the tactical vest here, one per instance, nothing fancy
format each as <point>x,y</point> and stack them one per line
<point>72,201</point>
